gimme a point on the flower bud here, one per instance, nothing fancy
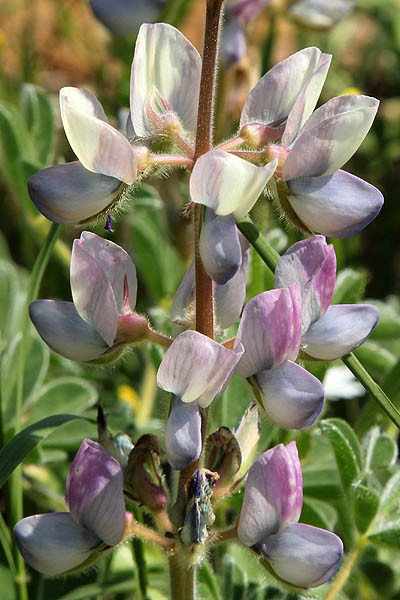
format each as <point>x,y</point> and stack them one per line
<point>143,480</point>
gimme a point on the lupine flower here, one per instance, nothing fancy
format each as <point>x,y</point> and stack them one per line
<point>195,369</point>
<point>328,332</point>
<point>101,317</point>
<point>270,332</point>
<point>228,297</point>
<point>54,543</point>
<point>124,17</point>
<point>320,14</point>
<point>302,555</point>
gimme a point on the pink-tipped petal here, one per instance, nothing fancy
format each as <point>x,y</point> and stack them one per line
<point>303,555</point>
<point>117,267</point>
<point>228,184</point>
<point>276,93</point>
<point>330,137</point>
<point>69,193</point>
<point>92,293</point>
<point>61,327</point>
<point>341,330</point>
<point>183,434</point>
<point>94,492</point>
<point>219,246</point>
<point>273,495</point>
<point>311,262</point>
<point>270,330</point>
<point>53,543</point>
<point>99,147</point>
<point>339,205</point>
<point>291,396</point>
<point>166,60</point>
<point>196,368</point>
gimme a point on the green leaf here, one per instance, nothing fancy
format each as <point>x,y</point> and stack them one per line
<point>379,450</point>
<point>388,326</point>
<point>349,287</point>
<point>317,513</point>
<point>13,453</point>
<point>66,394</point>
<point>207,577</point>
<point>13,142</point>
<point>388,533</point>
<point>346,449</point>
<point>390,497</point>
<point>366,504</point>
<point>376,359</point>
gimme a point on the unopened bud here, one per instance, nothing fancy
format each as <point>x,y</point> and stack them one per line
<point>132,328</point>
<point>258,135</point>
<point>162,118</point>
<point>143,480</point>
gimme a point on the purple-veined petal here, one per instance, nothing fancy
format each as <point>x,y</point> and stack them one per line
<point>228,184</point>
<point>339,205</point>
<point>94,492</point>
<point>311,262</point>
<point>164,59</point>
<point>69,193</point>
<point>117,266</point>
<point>306,100</point>
<point>196,368</point>
<point>92,293</point>
<point>270,330</point>
<point>124,17</point>
<point>303,555</point>
<point>183,434</point>
<point>276,93</point>
<point>229,298</point>
<point>53,543</point>
<point>220,249</point>
<point>291,396</point>
<point>61,327</point>
<point>273,495</point>
<point>330,137</point>
<point>341,330</point>
<point>99,147</point>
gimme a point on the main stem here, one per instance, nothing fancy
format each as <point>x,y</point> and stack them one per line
<point>183,579</point>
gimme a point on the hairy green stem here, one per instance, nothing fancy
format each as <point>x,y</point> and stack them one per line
<point>271,257</point>
<point>345,572</point>
<point>15,484</point>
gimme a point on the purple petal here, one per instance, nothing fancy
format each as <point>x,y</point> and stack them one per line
<point>182,311</point>
<point>339,205</point>
<point>276,93</point>
<point>196,368</point>
<point>61,327</point>
<point>340,331</point>
<point>291,396</point>
<point>99,147</point>
<point>330,137</point>
<point>229,298</point>
<point>183,434</point>
<point>69,193</point>
<point>164,59</point>
<point>233,44</point>
<point>270,330</point>
<point>303,555</point>
<point>94,492</point>
<point>319,14</point>
<point>273,495</point>
<point>311,262</point>
<point>124,17</point>
<point>53,543</point>
<point>92,293</point>
<point>219,246</point>
<point>117,267</point>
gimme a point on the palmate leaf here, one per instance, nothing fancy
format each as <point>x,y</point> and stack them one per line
<point>13,453</point>
<point>349,286</point>
<point>366,505</point>
<point>379,450</point>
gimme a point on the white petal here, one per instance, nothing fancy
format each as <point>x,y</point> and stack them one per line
<point>53,543</point>
<point>291,396</point>
<point>183,434</point>
<point>340,331</point>
<point>330,137</point>
<point>69,193</point>
<point>99,147</point>
<point>92,293</point>
<point>61,327</point>
<point>275,94</point>
<point>338,206</point>
<point>304,555</point>
<point>166,60</point>
<point>228,184</point>
<point>196,368</point>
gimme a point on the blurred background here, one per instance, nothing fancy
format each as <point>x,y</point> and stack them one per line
<point>48,44</point>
